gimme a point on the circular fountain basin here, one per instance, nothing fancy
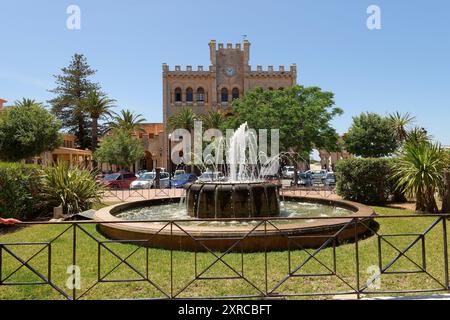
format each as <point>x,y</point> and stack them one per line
<point>247,235</point>
<point>215,200</point>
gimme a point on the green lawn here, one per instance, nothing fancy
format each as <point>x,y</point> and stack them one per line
<point>184,265</point>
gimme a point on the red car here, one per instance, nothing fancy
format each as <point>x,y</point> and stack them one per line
<point>119,180</point>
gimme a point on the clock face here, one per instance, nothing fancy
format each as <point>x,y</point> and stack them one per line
<point>229,71</point>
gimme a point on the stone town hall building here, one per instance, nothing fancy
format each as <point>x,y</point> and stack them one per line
<point>229,76</point>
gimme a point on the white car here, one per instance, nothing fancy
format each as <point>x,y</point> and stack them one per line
<point>147,181</point>
<point>288,172</point>
<point>211,176</point>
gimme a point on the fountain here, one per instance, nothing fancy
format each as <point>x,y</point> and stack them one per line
<point>244,194</point>
<point>218,212</point>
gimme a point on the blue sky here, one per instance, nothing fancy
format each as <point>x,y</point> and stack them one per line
<point>404,66</point>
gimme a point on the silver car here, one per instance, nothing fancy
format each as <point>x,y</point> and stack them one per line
<point>148,180</point>
<point>211,176</point>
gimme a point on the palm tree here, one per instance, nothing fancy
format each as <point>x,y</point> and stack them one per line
<point>184,119</point>
<point>26,103</point>
<point>98,107</point>
<point>419,170</point>
<point>127,120</point>
<point>400,122</point>
<point>213,120</point>
<point>417,135</point>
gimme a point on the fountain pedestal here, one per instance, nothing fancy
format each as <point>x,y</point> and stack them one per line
<point>215,200</point>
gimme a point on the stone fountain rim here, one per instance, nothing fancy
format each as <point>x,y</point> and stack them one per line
<point>108,214</point>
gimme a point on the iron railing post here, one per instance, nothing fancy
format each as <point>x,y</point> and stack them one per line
<point>171,260</point>
<point>1,264</point>
<point>358,294</point>
<point>74,261</point>
<point>49,261</point>
<point>444,231</point>
<point>265,259</point>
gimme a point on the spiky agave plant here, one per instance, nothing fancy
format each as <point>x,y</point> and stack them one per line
<point>72,188</point>
<point>419,171</point>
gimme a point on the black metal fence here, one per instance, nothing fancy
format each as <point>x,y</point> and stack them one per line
<point>150,193</point>
<point>408,254</point>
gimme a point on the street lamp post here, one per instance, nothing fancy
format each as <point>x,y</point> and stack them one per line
<point>169,162</point>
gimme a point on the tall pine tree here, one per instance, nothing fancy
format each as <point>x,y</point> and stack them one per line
<point>72,87</point>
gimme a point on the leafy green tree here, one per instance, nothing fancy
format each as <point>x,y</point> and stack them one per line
<point>27,130</point>
<point>419,169</point>
<point>98,107</point>
<point>120,148</point>
<point>371,136</point>
<point>127,120</point>
<point>302,114</point>
<point>72,88</point>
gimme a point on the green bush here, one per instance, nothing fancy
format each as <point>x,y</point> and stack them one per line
<point>20,187</point>
<point>365,180</point>
<point>72,188</point>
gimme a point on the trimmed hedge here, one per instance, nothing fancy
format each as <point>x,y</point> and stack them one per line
<point>20,187</point>
<point>365,180</point>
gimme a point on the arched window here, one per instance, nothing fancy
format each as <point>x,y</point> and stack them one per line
<point>178,95</point>
<point>235,93</point>
<point>224,95</point>
<point>201,95</point>
<point>281,88</point>
<point>270,88</point>
<point>189,95</point>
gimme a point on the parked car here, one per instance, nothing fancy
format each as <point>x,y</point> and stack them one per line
<point>140,173</point>
<point>304,179</point>
<point>181,180</point>
<point>211,176</point>
<point>288,172</point>
<point>148,180</point>
<point>318,176</point>
<point>330,179</point>
<point>118,180</point>
<point>178,172</point>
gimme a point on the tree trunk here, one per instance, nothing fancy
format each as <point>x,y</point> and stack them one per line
<point>94,133</point>
<point>295,173</point>
<point>94,139</point>
<point>446,193</point>
<point>420,201</point>
<point>430,201</point>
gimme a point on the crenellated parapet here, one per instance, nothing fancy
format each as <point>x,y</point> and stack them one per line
<point>270,71</point>
<point>188,71</point>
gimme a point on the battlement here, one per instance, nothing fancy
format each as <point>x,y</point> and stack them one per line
<point>271,71</point>
<point>188,70</point>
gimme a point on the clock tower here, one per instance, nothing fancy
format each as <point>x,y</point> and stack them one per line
<point>231,64</point>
